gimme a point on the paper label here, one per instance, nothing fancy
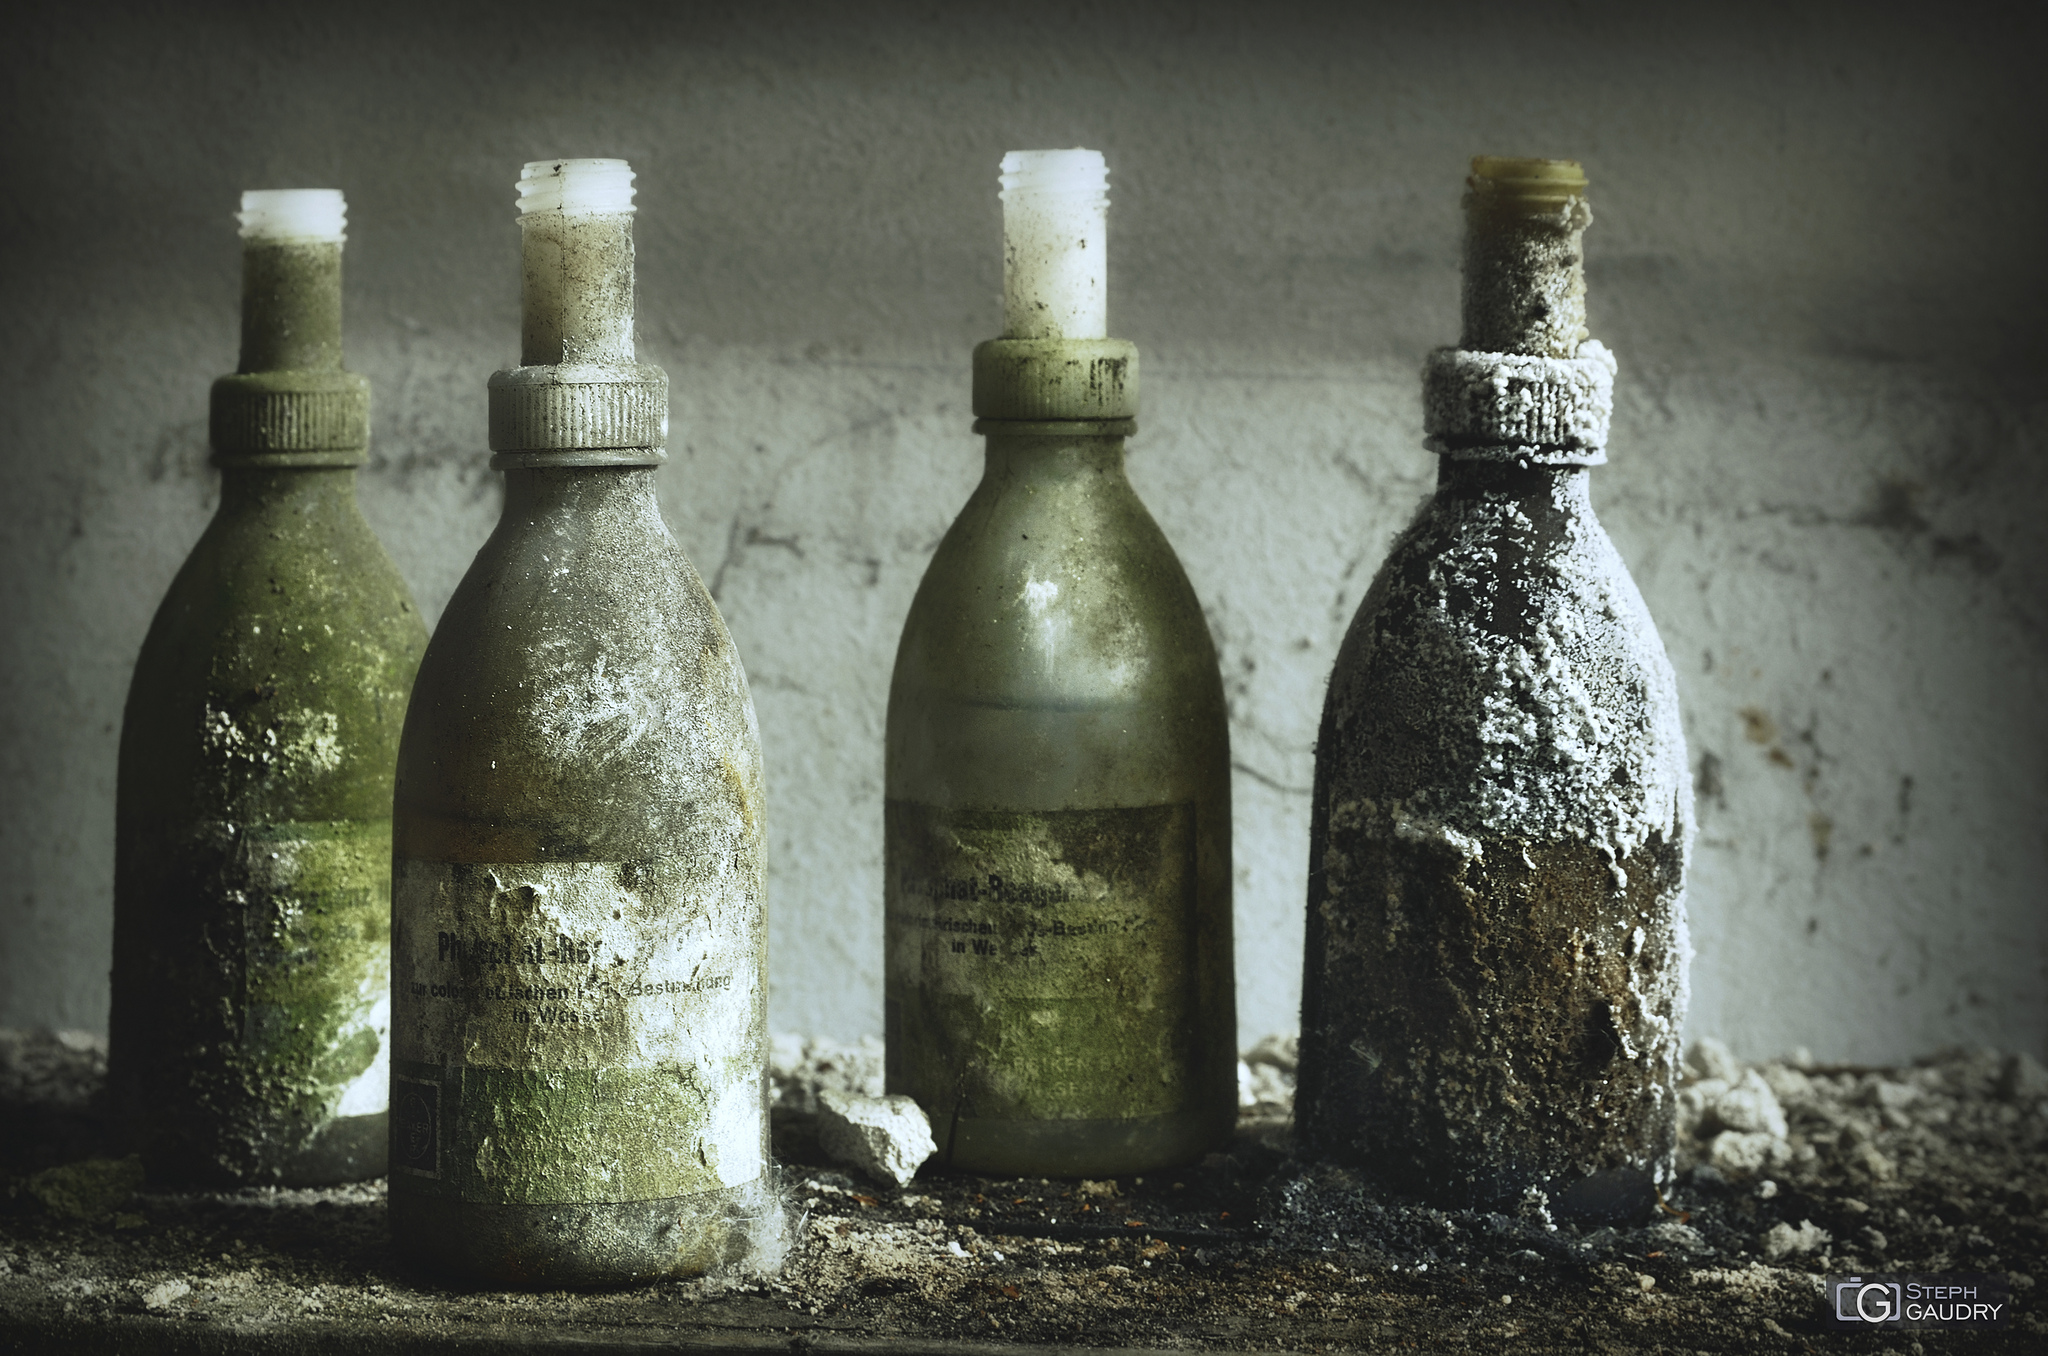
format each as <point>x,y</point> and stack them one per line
<point>316,915</point>
<point>1041,964</point>
<point>577,1031</point>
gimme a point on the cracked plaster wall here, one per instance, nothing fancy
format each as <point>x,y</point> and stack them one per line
<point>1814,253</point>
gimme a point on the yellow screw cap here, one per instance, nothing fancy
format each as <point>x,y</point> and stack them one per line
<point>1534,186</point>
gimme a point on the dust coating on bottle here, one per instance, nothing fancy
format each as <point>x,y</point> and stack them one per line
<point>252,837</point>
<point>580,862</point>
<point>252,914</point>
<point>1018,938</point>
<point>1497,947</point>
<point>291,306</point>
<point>1057,735</point>
<point>1524,265</point>
<point>562,1011</point>
<point>275,1064</point>
<point>581,734</point>
<point>1495,966</point>
<point>1055,687</point>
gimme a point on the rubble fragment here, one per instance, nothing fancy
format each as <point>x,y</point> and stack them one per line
<point>799,1068</point>
<point>1782,1240</point>
<point>887,1138</point>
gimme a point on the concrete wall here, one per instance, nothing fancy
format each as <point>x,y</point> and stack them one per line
<point>1816,254</point>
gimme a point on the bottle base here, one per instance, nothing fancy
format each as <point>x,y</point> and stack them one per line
<point>1090,1148</point>
<point>589,1244</point>
<point>347,1149</point>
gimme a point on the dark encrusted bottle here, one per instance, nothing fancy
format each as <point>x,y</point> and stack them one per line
<point>1057,868</point>
<point>579,1000</point>
<point>1496,950</point>
<point>252,907</point>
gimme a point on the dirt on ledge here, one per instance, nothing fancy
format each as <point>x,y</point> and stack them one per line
<point>1940,1167</point>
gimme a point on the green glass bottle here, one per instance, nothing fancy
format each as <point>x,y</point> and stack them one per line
<point>579,1065</point>
<point>252,907</point>
<point>1495,974</point>
<point>1057,865</point>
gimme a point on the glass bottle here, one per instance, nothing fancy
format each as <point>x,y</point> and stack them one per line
<point>252,907</point>
<point>1057,874</point>
<point>1496,950</point>
<point>579,1068</point>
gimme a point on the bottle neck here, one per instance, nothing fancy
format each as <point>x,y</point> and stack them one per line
<point>1053,456</point>
<point>1472,478</point>
<point>1525,278</point>
<point>576,288</point>
<point>304,489</point>
<point>541,491</point>
<point>291,307</point>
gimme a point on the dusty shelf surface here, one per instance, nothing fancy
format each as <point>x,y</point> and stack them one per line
<point>1940,1167</point>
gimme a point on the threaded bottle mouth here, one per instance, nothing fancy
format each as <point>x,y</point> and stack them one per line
<point>576,187</point>
<point>1536,187</point>
<point>1032,176</point>
<point>300,216</point>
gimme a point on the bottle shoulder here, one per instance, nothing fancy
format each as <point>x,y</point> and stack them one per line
<point>1058,595</point>
<point>1503,676</point>
<point>272,682</point>
<point>582,689</point>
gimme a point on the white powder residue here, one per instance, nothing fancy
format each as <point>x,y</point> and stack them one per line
<point>1571,709</point>
<point>302,741</point>
<point>1518,406</point>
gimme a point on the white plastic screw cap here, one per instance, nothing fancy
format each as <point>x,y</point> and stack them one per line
<point>298,215</point>
<point>576,187</point>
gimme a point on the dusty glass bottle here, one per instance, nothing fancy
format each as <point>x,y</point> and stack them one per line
<point>1496,951</point>
<point>1057,873</point>
<point>579,1054</point>
<point>252,911</point>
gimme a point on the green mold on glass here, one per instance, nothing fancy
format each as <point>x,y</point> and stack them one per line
<point>1495,981</point>
<point>1057,860</point>
<point>578,987</point>
<point>252,911</point>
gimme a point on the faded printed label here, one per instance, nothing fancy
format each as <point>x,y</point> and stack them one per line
<point>577,1031</point>
<point>316,915</point>
<point>1041,964</point>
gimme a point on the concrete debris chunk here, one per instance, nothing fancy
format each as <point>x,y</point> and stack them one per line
<point>1873,1163</point>
<point>164,1295</point>
<point>799,1069</point>
<point>885,1137</point>
<point>1793,1089</point>
<point>1714,1059</point>
<point>1265,1076</point>
<point>1264,1087</point>
<point>1886,1094</point>
<point>1751,1105</point>
<point>1744,1153</point>
<point>1281,1052</point>
<point>1782,1240</point>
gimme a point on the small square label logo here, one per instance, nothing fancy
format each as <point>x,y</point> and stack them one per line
<point>416,1126</point>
